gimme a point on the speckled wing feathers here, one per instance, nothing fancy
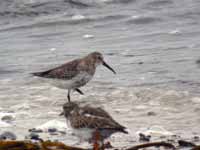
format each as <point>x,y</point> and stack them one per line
<point>95,111</point>
<point>65,71</point>
<point>92,118</point>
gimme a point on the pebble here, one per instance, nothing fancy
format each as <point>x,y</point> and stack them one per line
<point>140,63</point>
<point>33,136</point>
<point>198,61</point>
<point>35,130</point>
<point>53,133</point>
<point>62,132</point>
<point>171,140</point>
<point>151,113</point>
<point>196,139</point>
<point>145,138</point>
<point>184,143</point>
<point>51,130</point>
<point>7,135</point>
<point>7,118</point>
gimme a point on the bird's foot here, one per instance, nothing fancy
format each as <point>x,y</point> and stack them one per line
<point>107,145</point>
<point>79,91</point>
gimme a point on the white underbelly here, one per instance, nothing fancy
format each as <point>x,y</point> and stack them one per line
<point>84,133</point>
<point>78,81</point>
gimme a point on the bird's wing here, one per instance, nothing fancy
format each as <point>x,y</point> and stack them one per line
<point>95,111</point>
<point>65,71</point>
<point>95,122</point>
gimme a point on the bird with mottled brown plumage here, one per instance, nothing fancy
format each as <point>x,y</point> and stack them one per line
<point>74,74</point>
<point>90,123</point>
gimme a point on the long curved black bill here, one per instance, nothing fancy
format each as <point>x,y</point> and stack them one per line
<point>106,65</point>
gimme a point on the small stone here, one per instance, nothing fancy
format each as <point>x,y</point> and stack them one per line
<point>62,132</point>
<point>162,137</point>
<point>171,140</point>
<point>56,140</point>
<point>196,139</point>
<point>35,130</point>
<point>151,113</point>
<point>184,143</point>
<point>140,63</point>
<point>198,61</point>
<point>8,136</point>
<point>52,130</point>
<point>145,138</point>
<point>7,118</point>
<point>108,145</point>
<point>34,136</point>
<point>53,133</point>
<point>176,136</point>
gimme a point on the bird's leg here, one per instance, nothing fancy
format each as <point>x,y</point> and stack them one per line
<point>96,139</point>
<point>79,91</point>
<point>107,145</point>
<point>102,144</point>
<point>68,95</point>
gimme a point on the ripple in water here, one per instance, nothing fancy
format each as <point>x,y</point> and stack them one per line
<point>143,20</point>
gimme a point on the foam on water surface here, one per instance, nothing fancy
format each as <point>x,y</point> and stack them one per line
<point>54,124</point>
<point>153,46</point>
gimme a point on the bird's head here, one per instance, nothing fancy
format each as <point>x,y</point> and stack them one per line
<point>97,58</point>
<point>68,108</point>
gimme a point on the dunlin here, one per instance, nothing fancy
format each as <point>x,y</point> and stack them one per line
<point>91,124</point>
<point>75,73</point>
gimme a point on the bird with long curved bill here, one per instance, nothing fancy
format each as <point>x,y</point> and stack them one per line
<point>74,74</point>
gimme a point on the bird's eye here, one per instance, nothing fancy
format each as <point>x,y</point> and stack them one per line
<point>99,57</point>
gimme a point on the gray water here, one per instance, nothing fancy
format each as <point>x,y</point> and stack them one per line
<point>152,44</point>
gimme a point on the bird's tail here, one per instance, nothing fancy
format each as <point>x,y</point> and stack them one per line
<point>37,73</point>
<point>124,131</point>
<point>41,74</point>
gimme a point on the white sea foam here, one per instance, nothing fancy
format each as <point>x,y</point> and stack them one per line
<point>78,17</point>
<point>88,36</point>
<point>4,124</point>
<point>3,114</point>
<point>141,107</point>
<point>52,49</point>
<point>59,125</point>
<point>155,131</point>
<point>196,99</point>
<point>24,106</point>
<point>176,31</point>
<point>135,16</point>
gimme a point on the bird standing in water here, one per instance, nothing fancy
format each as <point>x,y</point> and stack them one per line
<point>91,124</point>
<point>74,74</point>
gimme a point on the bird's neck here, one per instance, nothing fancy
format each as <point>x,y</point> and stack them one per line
<point>89,65</point>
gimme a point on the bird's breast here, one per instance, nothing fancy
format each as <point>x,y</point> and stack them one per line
<point>77,81</point>
<point>81,79</point>
<point>84,133</point>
